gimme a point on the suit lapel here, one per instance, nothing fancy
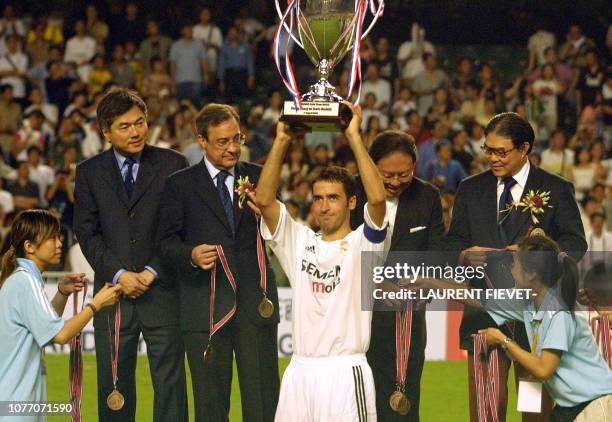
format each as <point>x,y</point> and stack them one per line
<point>405,212</point>
<point>208,191</point>
<point>488,206</point>
<point>112,176</point>
<point>146,175</point>
<point>524,218</point>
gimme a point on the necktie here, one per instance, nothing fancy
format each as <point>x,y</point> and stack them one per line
<point>506,216</point>
<point>128,180</point>
<point>226,199</point>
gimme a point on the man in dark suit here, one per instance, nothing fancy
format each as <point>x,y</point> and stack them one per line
<point>200,210</point>
<point>116,217</point>
<point>481,221</point>
<point>415,221</point>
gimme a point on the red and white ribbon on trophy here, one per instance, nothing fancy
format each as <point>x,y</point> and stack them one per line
<point>487,391</point>
<point>291,15</point>
<point>76,362</point>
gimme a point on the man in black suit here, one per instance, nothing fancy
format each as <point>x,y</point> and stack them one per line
<point>200,211</point>
<point>415,221</point>
<point>116,217</point>
<point>481,221</point>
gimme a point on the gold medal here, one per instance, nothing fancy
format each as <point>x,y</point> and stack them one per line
<point>208,353</point>
<point>399,402</point>
<point>344,246</point>
<point>266,307</point>
<point>537,232</point>
<point>115,400</point>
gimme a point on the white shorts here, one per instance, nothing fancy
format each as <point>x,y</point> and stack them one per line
<point>327,389</point>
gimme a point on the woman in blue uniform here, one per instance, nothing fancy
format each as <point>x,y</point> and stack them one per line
<point>28,320</point>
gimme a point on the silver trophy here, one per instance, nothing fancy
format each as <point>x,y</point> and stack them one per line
<point>326,30</point>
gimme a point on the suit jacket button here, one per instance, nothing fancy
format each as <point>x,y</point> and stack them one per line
<point>132,214</point>
<point>132,241</point>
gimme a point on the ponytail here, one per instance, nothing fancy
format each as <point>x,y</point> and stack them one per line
<point>8,264</point>
<point>568,281</point>
<point>554,267</point>
<point>35,226</point>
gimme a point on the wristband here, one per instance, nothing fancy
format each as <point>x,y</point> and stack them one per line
<point>93,307</point>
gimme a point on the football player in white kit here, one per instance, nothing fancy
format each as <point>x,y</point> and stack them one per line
<point>328,378</point>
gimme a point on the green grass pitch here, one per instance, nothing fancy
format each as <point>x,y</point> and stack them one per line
<point>443,396</point>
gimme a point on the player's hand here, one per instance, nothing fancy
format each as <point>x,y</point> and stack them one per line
<point>252,203</point>
<point>353,130</point>
<point>132,284</point>
<point>204,256</point>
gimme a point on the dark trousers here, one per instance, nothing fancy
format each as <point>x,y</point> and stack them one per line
<point>255,348</point>
<point>167,364</point>
<point>504,370</point>
<point>382,358</point>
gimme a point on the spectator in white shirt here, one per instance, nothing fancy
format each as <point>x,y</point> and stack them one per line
<point>81,48</point>
<point>378,86</point>
<point>210,35</point>
<point>537,45</point>
<point>598,239</point>
<point>410,55</point>
<point>10,25</point>
<point>13,66</point>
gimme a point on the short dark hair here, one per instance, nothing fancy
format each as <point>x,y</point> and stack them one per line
<point>117,101</point>
<point>511,125</point>
<point>338,175</point>
<point>214,114</point>
<point>390,141</point>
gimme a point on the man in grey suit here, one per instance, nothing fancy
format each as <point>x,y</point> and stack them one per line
<point>116,217</point>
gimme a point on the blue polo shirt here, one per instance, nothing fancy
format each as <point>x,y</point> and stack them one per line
<point>27,323</point>
<point>582,374</point>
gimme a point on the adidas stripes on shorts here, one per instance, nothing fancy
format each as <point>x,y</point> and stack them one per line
<point>327,389</point>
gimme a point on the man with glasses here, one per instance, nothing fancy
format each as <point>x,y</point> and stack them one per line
<point>201,211</point>
<point>483,220</point>
<point>414,212</point>
<point>117,199</point>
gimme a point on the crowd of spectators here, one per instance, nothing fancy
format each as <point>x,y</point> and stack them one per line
<point>52,76</point>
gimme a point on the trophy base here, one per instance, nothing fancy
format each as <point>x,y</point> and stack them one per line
<point>318,116</point>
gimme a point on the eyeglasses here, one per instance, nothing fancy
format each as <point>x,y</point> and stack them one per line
<point>498,152</point>
<point>224,143</point>
<point>401,177</point>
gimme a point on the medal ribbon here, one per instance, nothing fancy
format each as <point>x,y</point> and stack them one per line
<point>76,362</point>
<point>403,329</point>
<point>601,330</point>
<point>115,344</point>
<point>261,260</point>
<point>487,391</point>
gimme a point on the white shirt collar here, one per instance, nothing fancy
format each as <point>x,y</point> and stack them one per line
<point>520,177</point>
<point>213,171</point>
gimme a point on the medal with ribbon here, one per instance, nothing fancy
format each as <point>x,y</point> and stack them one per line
<point>403,328</point>
<point>115,399</point>
<point>600,326</point>
<point>487,391</point>
<point>76,362</point>
<point>266,307</point>
<point>214,327</point>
